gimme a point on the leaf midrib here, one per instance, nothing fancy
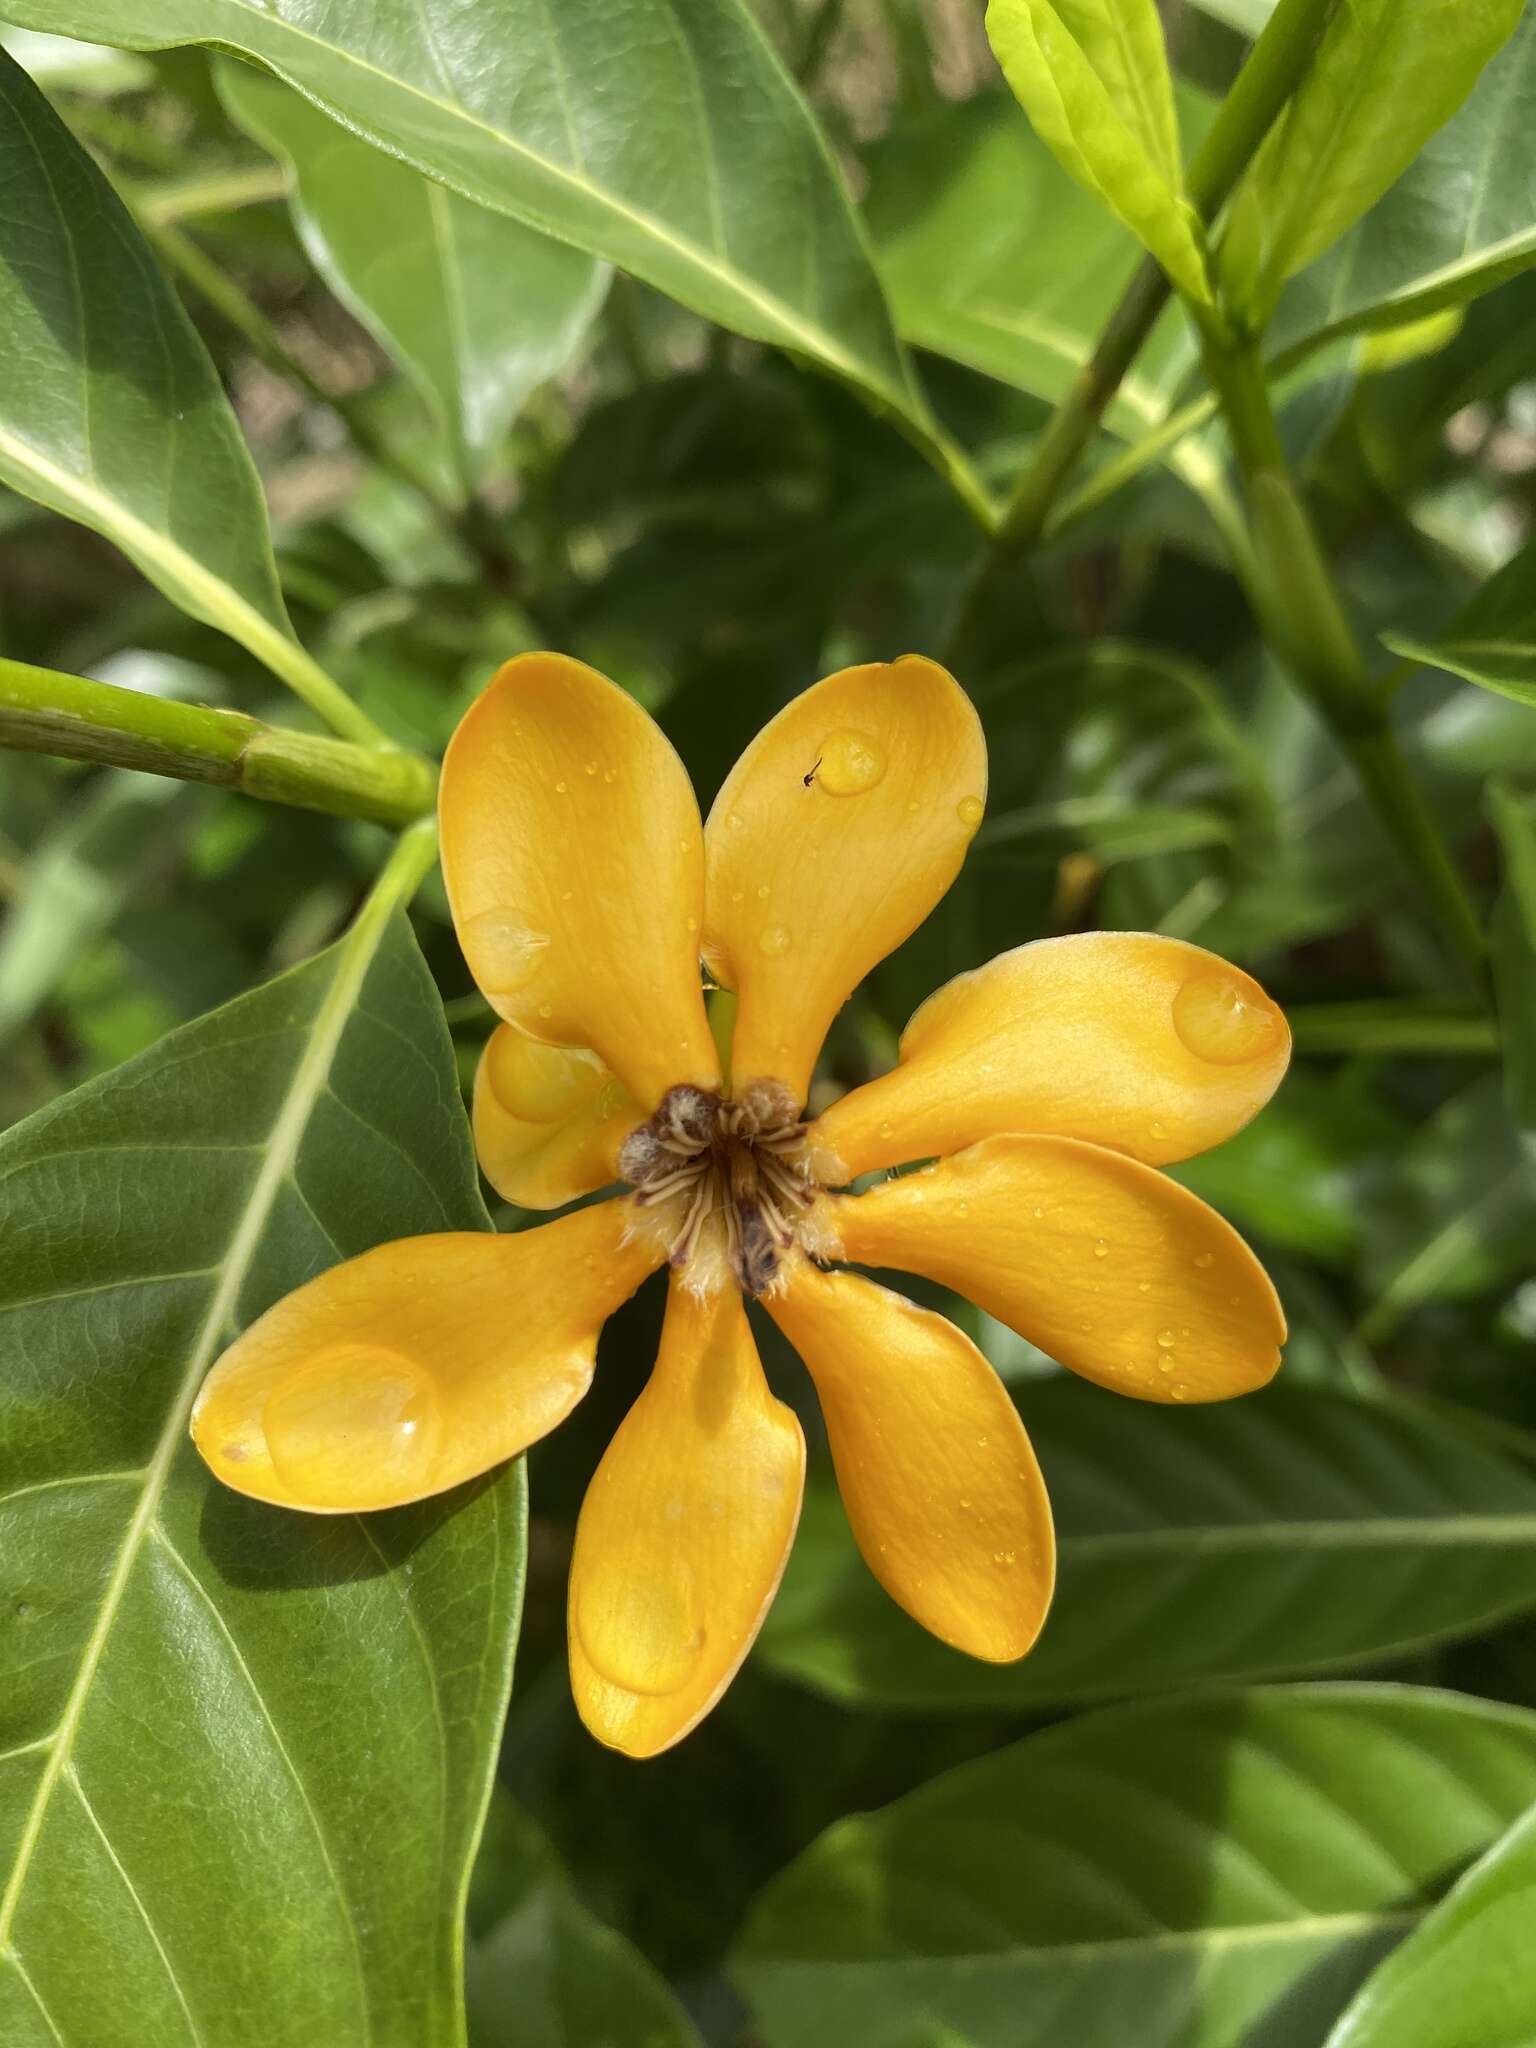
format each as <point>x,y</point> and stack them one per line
<point>709,264</point>
<point>354,956</point>
<point>1365,1532</point>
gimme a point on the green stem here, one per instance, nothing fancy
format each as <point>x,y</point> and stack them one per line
<point>1450,1030</point>
<point>409,864</point>
<point>1274,68</point>
<point>42,711</point>
<point>165,206</point>
<point>1300,613</point>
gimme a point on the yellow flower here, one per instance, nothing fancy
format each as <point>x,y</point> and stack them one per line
<point>1048,1086</point>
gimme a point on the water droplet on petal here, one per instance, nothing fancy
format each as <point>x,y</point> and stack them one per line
<point>774,940</point>
<point>591,767</point>
<point>851,762</point>
<point>969,810</point>
<point>358,1426</point>
<point>1101,1249</point>
<point>642,1633</point>
<point>503,951</point>
<point>763,892</point>
<point>1204,1259</point>
<point>562,789</point>
<point>1221,1021</point>
<point>1165,1338</point>
<point>1167,1363</point>
<point>1143,1286</point>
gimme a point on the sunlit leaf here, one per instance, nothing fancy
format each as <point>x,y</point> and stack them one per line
<point>478,308</point>
<point>1468,1973</point>
<point>1210,1873</point>
<point>1387,75</point>
<point>119,420</point>
<point>1297,1530</point>
<point>245,1752</point>
<point>660,135</point>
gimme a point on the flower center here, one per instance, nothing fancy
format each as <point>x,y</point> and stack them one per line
<point>729,1185</point>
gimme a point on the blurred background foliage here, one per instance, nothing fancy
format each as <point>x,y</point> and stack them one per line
<point>716,525</point>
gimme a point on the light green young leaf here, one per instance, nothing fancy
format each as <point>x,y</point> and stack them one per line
<point>543,1971</point>
<point>243,1754</point>
<point>1468,1974</point>
<point>1514,954</point>
<point>1205,1873</point>
<point>1492,639</point>
<point>661,135</point>
<point>1093,77</point>
<point>479,309</point>
<point>110,410</point>
<point>1387,75</point>
<point>1298,1530</point>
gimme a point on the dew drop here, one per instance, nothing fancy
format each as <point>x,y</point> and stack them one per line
<point>642,1633</point>
<point>851,762</point>
<point>1224,1023</point>
<point>356,1427</point>
<point>692,923</point>
<point>503,952</point>
<point>738,895</point>
<point>591,767</point>
<point>540,1083</point>
<point>1204,1259</point>
<point>1167,1363</point>
<point>774,940</point>
<point>562,789</point>
<point>887,1128</point>
<point>1143,1286</point>
<point>763,892</point>
<point>1101,1249</point>
<point>1005,1557</point>
<point>733,819</point>
<point>969,810</point>
<point>1165,1338</point>
<point>610,775</point>
<point>1179,1393</point>
<point>546,1011</point>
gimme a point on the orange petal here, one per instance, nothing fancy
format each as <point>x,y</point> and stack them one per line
<point>574,864</point>
<point>417,1365</point>
<point>836,833</point>
<point>1112,1268</point>
<point>549,1120</point>
<point>938,1477</point>
<point>684,1532</point>
<point>1148,1045</point>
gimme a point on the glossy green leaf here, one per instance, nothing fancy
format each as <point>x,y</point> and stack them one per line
<point>1387,75</point>
<point>110,410</point>
<point>1514,954</point>
<point>1456,223</point>
<point>245,1753</point>
<point>1492,640</point>
<point>1465,1978</point>
<point>662,135</point>
<point>61,65</point>
<point>1093,77</point>
<point>479,309</point>
<point>1297,1530</point>
<point>1210,1873</point>
<point>543,1971</point>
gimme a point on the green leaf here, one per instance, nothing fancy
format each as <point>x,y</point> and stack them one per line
<point>1093,77</point>
<point>544,1972</point>
<point>1298,1530</point>
<point>245,1753</point>
<point>1209,1873</point>
<point>478,309</point>
<point>1492,640</point>
<point>76,882</point>
<point>119,419</point>
<point>661,135</point>
<point>1457,1218</point>
<point>1455,225</point>
<point>1468,1974</point>
<point>1387,74</point>
<point>1514,954</point>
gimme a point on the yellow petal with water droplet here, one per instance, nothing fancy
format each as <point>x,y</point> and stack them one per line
<point>574,863</point>
<point>1149,1045</point>
<point>835,834</point>
<point>417,1365</point>
<point>548,1120</point>
<point>936,1472</point>
<point>1035,1212</point>
<point>684,1533</point>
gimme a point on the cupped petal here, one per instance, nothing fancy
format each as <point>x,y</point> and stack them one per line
<point>574,864</point>
<point>684,1533</point>
<point>1148,1045</point>
<point>940,1482</point>
<point>835,834</point>
<point>549,1120</point>
<point>417,1365</point>
<point>1106,1264</point>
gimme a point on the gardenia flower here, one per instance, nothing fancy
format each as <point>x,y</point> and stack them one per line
<point>1047,1087</point>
